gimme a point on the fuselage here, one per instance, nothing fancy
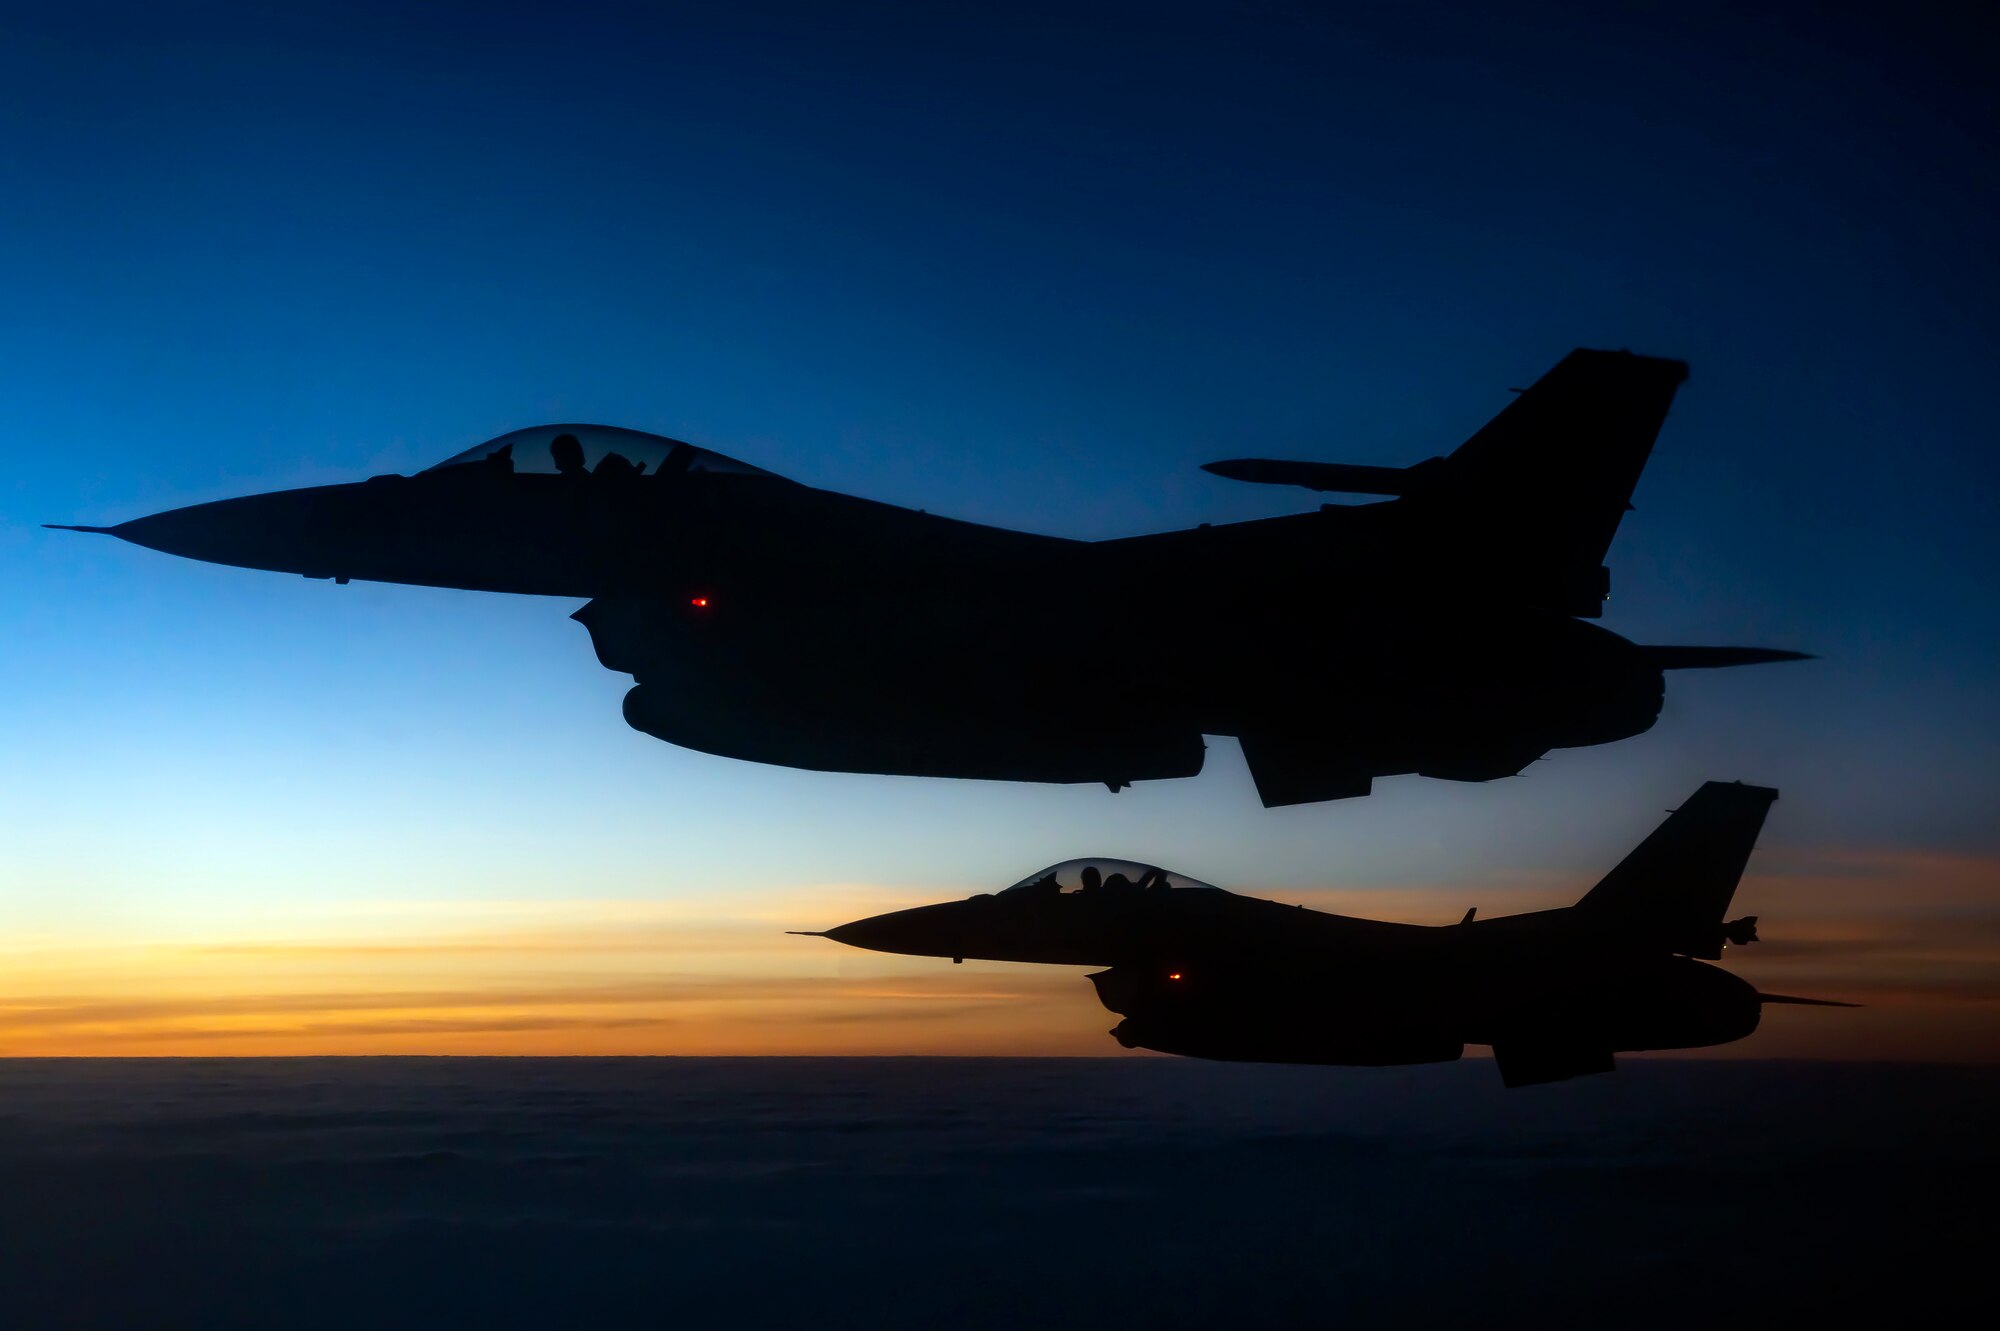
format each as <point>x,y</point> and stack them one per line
<point>771,621</point>
<point>1196,970</point>
<point>1201,971</point>
<point>737,601</point>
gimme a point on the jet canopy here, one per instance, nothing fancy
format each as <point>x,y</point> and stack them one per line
<point>596,449</point>
<point>1097,874</point>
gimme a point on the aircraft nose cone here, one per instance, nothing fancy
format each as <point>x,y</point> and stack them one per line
<point>259,531</point>
<point>860,933</point>
<point>925,931</point>
<point>312,531</point>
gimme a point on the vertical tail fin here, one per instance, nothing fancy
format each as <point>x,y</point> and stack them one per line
<point>1545,483</point>
<point>1672,891</point>
<point>1530,503</point>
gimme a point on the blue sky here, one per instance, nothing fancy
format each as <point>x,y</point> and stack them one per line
<point>998,263</point>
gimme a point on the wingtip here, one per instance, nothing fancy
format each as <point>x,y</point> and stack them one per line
<point>1712,658</point>
<point>807,933</point>
<point>70,526</point>
<point>1803,1002</point>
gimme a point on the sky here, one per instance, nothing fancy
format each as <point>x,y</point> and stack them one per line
<point>1007,263</point>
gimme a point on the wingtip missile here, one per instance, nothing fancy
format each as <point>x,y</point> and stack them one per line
<point>1803,1002</point>
<point>1713,658</point>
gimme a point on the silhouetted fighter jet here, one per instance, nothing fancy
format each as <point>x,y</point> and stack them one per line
<point>1438,632</point>
<point>1199,971</point>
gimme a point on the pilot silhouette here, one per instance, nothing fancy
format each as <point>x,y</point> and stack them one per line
<point>568,454</point>
<point>1092,880</point>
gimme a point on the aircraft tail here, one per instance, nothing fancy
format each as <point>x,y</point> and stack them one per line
<point>1673,890</point>
<point>1532,500</point>
<point>1547,481</point>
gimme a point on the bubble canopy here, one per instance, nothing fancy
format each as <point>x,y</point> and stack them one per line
<point>598,449</point>
<point>1098,874</point>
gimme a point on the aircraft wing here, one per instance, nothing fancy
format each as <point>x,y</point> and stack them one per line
<point>1534,1064</point>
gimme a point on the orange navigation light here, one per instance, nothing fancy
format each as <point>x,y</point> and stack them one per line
<point>699,603</point>
<point>1173,975</point>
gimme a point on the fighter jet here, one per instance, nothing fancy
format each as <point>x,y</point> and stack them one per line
<point>1439,631</point>
<point>1199,971</point>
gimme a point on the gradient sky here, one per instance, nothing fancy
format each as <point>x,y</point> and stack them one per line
<point>1001,263</point>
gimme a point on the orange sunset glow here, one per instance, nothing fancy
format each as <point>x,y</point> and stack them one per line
<point>1914,938</point>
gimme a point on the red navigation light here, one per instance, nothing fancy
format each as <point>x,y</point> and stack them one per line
<point>699,603</point>
<point>1173,975</point>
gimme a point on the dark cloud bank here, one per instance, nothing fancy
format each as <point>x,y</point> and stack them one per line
<point>501,1193</point>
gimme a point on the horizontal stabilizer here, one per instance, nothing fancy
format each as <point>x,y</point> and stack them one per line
<point>1712,658</point>
<point>1803,1002</point>
<point>1336,476</point>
